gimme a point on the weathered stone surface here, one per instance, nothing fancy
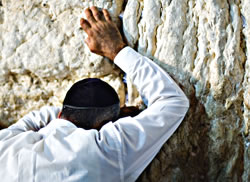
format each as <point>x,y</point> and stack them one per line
<point>43,54</point>
<point>203,45</point>
<point>245,9</point>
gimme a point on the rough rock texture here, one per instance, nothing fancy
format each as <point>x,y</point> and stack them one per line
<point>203,45</point>
<point>43,54</point>
<point>245,9</point>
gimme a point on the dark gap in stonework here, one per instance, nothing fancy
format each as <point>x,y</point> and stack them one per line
<point>243,39</point>
<point>124,4</point>
<point>136,47</point>
<point>1,4</point>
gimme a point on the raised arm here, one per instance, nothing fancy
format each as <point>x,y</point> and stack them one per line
<point>138,139</point>
<point>142,136</point>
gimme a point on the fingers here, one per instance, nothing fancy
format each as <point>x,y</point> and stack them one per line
<point>93,15</point>
<point>85,25</point>
<point>89,16</point>
<point>96,13</point>
<point>106,15</point>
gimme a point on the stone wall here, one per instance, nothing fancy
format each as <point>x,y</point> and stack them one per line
<point>203,45</point>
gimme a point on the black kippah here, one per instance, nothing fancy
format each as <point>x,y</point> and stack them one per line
<point>90,92</point>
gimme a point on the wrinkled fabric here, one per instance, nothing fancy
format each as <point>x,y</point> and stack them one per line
<point>42,148</point>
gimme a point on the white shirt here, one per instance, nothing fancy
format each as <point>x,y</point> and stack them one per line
<point>120,151</point>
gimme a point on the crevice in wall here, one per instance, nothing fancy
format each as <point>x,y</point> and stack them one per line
<point>185,28</point>
<point>169,2</point>
<point>230,12</point>
<point>243,39</point>
<point>1,17</point>
<point>156,30</point>
<point>243,45</point>
<point>138,20</point>
<point>136,46</point>
<point>124,4</point>
<point>197,40</point>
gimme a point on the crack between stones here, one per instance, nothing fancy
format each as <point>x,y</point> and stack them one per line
<point>169,3</point>
<point>185,28</point>
<point>125,2</point>
<point>156,30</point>
<point>243,46</point>
<point>230,14</point>
<point>139,12</point>
<point>196,45</point>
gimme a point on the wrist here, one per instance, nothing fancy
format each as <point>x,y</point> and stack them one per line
<point>117,50</point>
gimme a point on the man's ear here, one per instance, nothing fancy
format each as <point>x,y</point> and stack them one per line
<point>59,114</point>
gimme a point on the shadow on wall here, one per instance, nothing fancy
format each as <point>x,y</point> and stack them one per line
<point>184,157</point>
<point>192,154</point>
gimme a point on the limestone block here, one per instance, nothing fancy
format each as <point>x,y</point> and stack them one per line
<point>203,45</point>
<point>245,8</point>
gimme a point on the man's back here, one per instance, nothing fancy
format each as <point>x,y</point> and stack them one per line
<point>59,152</point>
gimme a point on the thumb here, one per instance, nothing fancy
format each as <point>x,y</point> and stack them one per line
<point>90,45</point>
<point>87,41</point>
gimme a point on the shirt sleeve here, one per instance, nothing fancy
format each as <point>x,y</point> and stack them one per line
<point>141,137</point>
<point>34,121</point>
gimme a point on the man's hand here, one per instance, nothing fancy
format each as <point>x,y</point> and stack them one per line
<point>104,37</point>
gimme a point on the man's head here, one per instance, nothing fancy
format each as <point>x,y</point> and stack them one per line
<point>90,103</point>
